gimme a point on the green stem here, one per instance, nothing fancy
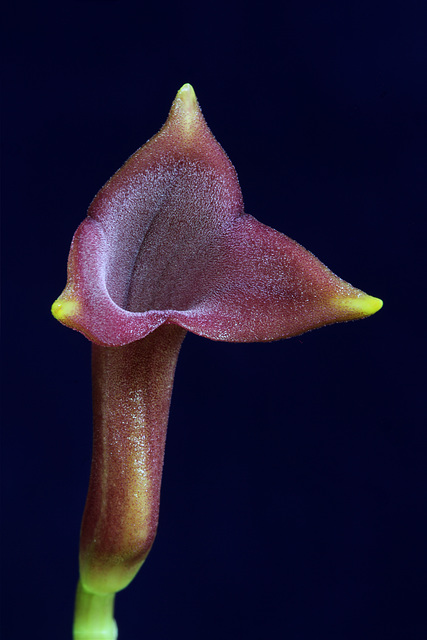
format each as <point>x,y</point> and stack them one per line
<point>94,616</point>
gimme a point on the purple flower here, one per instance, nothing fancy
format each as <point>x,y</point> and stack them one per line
<point>166,247</point>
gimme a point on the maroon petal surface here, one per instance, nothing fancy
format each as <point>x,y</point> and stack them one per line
<point>167,241</point>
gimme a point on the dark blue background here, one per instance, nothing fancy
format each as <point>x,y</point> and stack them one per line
<point>294,494</point>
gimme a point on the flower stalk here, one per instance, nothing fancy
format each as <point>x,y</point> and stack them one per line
<point>94,616</point>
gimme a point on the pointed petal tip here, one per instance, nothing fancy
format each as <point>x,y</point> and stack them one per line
<point>186,91</point>
<point>63,310</point>
<point>361,306</point>
<point>185,111</point>
<point>186,99</point>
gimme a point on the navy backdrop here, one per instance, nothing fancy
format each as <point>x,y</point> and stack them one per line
<point>293,500</point>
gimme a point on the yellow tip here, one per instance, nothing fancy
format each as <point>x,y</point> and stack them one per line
<point>185,111</point>
<point>188,97</point>
<point>63,309</point>
<point>361,306</point>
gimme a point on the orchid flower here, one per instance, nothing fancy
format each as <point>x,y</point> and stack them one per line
<point>167,248</point>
